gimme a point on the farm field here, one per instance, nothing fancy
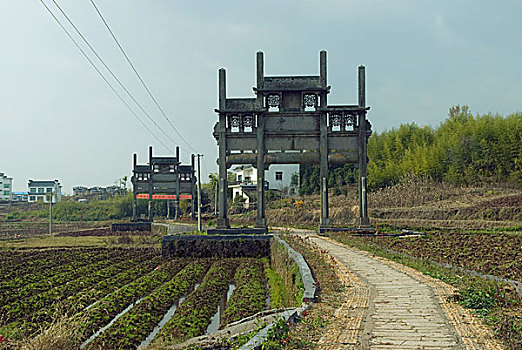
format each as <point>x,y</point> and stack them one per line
<point>21,229</point>
<point>116,298</point>
<point>113,290</point>
<point>488,253</point>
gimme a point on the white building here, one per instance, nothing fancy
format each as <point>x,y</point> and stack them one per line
<point>6,187</point>
<point>42,191</point>
<point>278,177</point>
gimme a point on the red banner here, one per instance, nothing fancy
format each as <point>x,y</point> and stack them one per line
<point>164,196</point>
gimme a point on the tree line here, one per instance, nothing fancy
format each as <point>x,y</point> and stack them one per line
<point>464,149</point>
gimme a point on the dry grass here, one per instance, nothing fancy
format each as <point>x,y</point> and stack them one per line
<point>47,241</point>
<point>61,334</point>
<point>420,192</point>
<point>414,203</point>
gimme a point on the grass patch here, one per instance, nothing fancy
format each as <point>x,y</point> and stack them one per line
<point>277,288</point>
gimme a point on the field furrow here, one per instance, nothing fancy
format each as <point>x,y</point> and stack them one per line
<point>130,330</point>
<point>249,297</point>
<point>194,315</point>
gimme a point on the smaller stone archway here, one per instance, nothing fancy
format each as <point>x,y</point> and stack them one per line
<point>163,178</point>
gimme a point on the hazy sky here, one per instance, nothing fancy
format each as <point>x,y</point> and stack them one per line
<point>59,120</point>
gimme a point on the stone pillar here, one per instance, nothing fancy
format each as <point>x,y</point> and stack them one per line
<point>363,219</point>
<point>260,158</point>
<point>134,190</point>
<point>192,185</point>
<point>322,71</point>
<point>222,160</point>
<point>260,165</point>
<point>323,167</point>
<point>323,147</point>
<point>177,211</point>
<point>151,186</point>
<point>260,70</point>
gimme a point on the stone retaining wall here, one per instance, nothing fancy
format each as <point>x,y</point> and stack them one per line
<point>224,246</point>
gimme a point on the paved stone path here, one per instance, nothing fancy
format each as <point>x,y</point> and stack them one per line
<point>399,312</point>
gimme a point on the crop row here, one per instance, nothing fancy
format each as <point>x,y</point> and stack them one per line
<point>40,307</point>
<point>194,315</point>
<point>107,308</point>
<point>17,290</point>
<point>50,263</point>
<point>17,257</point>
<point>28,309</point>
<point>59,279</point>
<point>31,320</point>
<point>130,330</point>
<point>141,291</point>
<point>28,259</point>
<point>27,266</point>
<point>86,297</point>
<point>249,297</point>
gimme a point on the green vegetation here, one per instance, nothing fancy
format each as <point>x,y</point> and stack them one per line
<point>339,176</point>
<point>464,149</point>
<point>54,241</point>
<point>237,342</point>
<point>284,278</point>
<point>495,254</point>
<point>194,315</point>
<point>45,281</point>
<point>278,337</point>
<point>133,327</point>
<point>115,208</point>
<point>277,288</point>
<point>312,325</point>
<point>249,297</point>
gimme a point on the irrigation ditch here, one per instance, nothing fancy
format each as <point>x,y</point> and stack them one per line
<point>289,262</point>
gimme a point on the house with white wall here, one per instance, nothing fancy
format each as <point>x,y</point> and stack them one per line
<point>278,177</point>
<point>42,191</point>
<point>6,187</point>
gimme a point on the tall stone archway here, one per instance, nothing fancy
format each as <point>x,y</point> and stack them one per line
<point>290,122</point>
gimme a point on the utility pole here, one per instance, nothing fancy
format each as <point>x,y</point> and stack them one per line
<point>199,193</point>
<point>51,214</point>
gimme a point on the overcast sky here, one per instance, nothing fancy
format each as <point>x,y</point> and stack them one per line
<point>59,120</point>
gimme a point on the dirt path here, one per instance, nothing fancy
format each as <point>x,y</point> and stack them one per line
<point>390,306</point>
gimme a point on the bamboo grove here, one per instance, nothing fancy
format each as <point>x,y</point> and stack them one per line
<point>464,149</point>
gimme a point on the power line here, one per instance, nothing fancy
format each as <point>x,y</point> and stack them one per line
<point>103,77</point>
<point>139,76</point>
<point>111,72</point>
